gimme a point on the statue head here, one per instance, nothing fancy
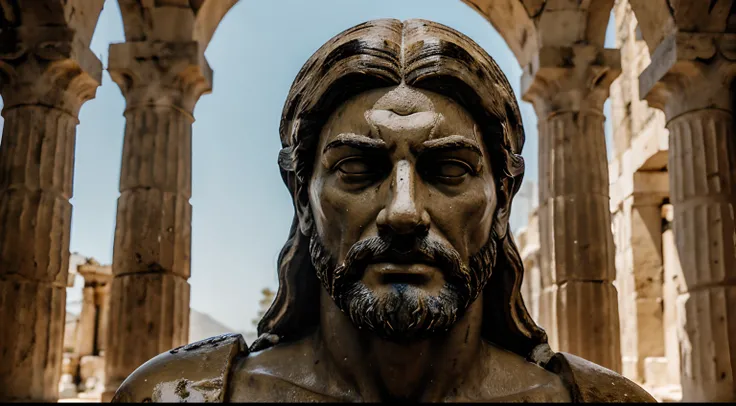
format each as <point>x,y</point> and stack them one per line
<point>401,150</point>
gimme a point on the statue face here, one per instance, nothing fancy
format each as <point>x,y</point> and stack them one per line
<point>403,200</point>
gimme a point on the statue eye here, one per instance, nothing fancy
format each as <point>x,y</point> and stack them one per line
<point>354,166</point>
<point>451,169</point>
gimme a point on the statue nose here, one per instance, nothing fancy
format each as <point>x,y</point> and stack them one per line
<point>404,213</point>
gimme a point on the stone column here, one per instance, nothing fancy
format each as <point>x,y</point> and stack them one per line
<point>673,291</point>
<point>45,78</point>
<point>89,340</point>
<point>104,316</point>
<point>94,297</point>
<point>691,79</point>
<point>86,326</point>
<point>528,243</point>
<point>149,304</point>
<point>641,279</point>
<point>568,86</point>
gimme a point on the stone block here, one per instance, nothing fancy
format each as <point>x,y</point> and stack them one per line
<point>562,27</point>
<point>656,371</point>
<point>92,373</point>
<point>650,332</point>
<point>67,388</point>
<point>630,368</point>
<point>172,23</point>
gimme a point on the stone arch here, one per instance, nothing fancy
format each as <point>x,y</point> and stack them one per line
<point>656,21</point>
<point>660,19</point>
<point>528,25</point>
<point>521,22</point>
<point>512,20</point>
<point>192,20</point>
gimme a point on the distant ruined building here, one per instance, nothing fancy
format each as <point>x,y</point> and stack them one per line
<point>83,365</point>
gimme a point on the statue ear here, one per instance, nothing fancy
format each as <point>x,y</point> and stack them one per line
<point>304,213</point>
<point>301,201</point>
<point>503,209</point>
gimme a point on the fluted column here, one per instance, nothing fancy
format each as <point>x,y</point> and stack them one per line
<point>149,303</point>
<point>568,86</point>
<point>691,79</point>
<point>45,77</point>
<point>673,291</point>
<point>641,276</point>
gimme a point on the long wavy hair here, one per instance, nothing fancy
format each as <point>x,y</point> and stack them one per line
<point>421,54</point>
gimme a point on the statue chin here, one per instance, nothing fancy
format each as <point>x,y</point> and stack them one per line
<point>401,312</point>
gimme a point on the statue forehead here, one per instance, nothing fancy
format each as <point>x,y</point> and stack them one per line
<point>396,107</point>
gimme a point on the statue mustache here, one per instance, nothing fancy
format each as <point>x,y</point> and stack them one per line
<point>424,250</point>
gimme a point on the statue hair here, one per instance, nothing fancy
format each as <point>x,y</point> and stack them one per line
<point>426,55</point>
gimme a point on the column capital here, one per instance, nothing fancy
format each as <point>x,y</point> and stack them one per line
<point>570,78</point>
<point>690,71</point>
<point>47,65</point>
<point>158,73</point>
<point>95,274</point>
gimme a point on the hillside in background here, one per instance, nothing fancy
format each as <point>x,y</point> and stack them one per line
<point>202,325</point>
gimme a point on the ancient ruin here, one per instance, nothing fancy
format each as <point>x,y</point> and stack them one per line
<point>85,336</point>
<point>83,366</point>
<point>664,155</point>
<point>629,263</point>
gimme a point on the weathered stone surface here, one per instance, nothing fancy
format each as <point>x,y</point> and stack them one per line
<point>673,287</point>
<point>149,315</point>
<point>690,80</point>
<point>588,320</point>
<point>33,326</point>
<point>640,272</point>
<point>639,187</point>
<point>530,25</point>
<point>568,86</point>
<point>47,72</point>
<point>548,317</point>
<point>655,19</point>
<point>513,22</point>
<point>161,83</point>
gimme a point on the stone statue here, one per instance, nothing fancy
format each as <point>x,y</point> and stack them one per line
<point>400,279</point>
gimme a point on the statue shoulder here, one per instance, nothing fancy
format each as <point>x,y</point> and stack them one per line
<point>197,372</point>
<point>590,382</point>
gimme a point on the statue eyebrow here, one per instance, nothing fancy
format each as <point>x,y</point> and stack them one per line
<point>451,142</point>
<point>355,141</point>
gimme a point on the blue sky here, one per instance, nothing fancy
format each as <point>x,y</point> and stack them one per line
<point>241,210</point>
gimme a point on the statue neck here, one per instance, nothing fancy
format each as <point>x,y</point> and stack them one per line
<point>421,371</point>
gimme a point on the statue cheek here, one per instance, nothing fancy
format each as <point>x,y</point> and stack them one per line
<point>479,220</point>
<point>335,207</point>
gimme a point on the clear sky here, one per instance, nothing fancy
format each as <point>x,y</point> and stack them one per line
<point>241,209</point>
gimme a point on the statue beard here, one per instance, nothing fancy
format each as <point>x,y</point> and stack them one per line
<point>406,312</point>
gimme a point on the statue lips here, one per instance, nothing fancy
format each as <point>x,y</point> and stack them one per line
<point>412,268</point>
